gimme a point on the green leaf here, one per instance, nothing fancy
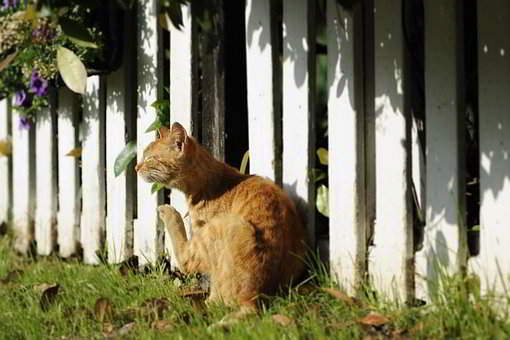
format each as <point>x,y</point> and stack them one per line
<point>156,187</point>
<point>317,175</point>
<point>124,158</point>
<point>322,200</point>
<point>77,33</point>
<point>476,228</point>
<point>244,162</point>
<point>322,153</point>
<point>71,70</point>
<point>154,126</point>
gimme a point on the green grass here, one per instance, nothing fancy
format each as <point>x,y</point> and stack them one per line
<point>148,301</point>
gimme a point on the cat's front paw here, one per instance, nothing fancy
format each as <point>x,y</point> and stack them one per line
<point>169,214</point>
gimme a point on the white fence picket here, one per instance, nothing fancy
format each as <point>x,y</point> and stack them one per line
<point>180,101</point>
<point>93,170</point>
<point>147,230</point>
<point>23,174</point>
<point>298,105</point>
<point>260,89</point>
<point>445,245</point>
<point>493,263</point>
<point>5,163</point>
<point>392,254</point>
<point>46,181</point>
<point>346,158</point>
<point>120,189</point>
<point>68,216</point>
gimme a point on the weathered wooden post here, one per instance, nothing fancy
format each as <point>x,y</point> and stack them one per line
<point>444,249</point>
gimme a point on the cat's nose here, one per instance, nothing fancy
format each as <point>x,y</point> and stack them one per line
<point>138,166</point>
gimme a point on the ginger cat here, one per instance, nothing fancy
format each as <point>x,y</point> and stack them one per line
<point>246,232</point>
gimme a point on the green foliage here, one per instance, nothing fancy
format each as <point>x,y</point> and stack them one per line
<point>156,187</point>
<point>162,107</point>
<point>42,38</point>
<point>124,158</point>
<point>322,200</point>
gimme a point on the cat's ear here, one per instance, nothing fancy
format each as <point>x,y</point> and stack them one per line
<point>163,132</point>
<point>181,137</point>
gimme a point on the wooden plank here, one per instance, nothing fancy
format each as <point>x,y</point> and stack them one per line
<point>23,175</point>
<point>346,150</point>
<point>493,263</point>
<point>298,106</point>
<point>392,253</point>
<point>93,170</point>
<point>147,233</point>
<point>120,106</point>
<point>181,56</point>
<point>5,164</point>
<point>262,112</point>
<point>46,179</point>
<point>68,216</point>
<point>445,240</point>
<point>212,79</point>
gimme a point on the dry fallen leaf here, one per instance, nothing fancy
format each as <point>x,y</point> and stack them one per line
<point>306,289</point>
<point>76,153</point>
<point>124,330</point>
<point>103,310</point>
<point>374,319</point>
<point>153,309</point>
<point>107,329</point>
<point>5,147</point>
<point>417,328</point>
<point>162,325</point>
<point>48,296</point>
<point>11,276</point>
<point>129,265</point>
<point>109,332</point>
<point>281,320</point>
<point>342,296</point>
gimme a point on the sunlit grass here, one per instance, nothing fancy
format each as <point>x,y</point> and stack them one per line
<point>149,305</point>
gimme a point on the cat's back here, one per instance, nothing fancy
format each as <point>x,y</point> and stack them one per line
<point>265,205</point>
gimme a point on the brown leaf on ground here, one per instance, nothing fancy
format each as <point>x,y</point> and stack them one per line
<point>193,293</point>
<point>108,331</point>
<point>103,309</point>
<point>11,276</point>
<point>374,319</point>
<point>129,265</point>
<point>48,296</point>
<point>306,289</point>
<point>281,320</point>
<point>417,328</point>
<point>162,325</point>
<point>153,309</point>
<point>342,296</point>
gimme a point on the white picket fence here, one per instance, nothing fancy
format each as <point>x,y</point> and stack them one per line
<point>45,195</point>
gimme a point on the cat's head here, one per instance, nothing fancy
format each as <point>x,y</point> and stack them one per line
<point>166,159</point>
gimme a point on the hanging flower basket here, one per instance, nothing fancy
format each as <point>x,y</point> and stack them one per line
<point>50,43</point>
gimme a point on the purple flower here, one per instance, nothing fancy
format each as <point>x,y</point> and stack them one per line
<point>22,99</point>
<point>43,33</point>
<point>10,3</point>
<point>24,122</point>
<point>38,85</point>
